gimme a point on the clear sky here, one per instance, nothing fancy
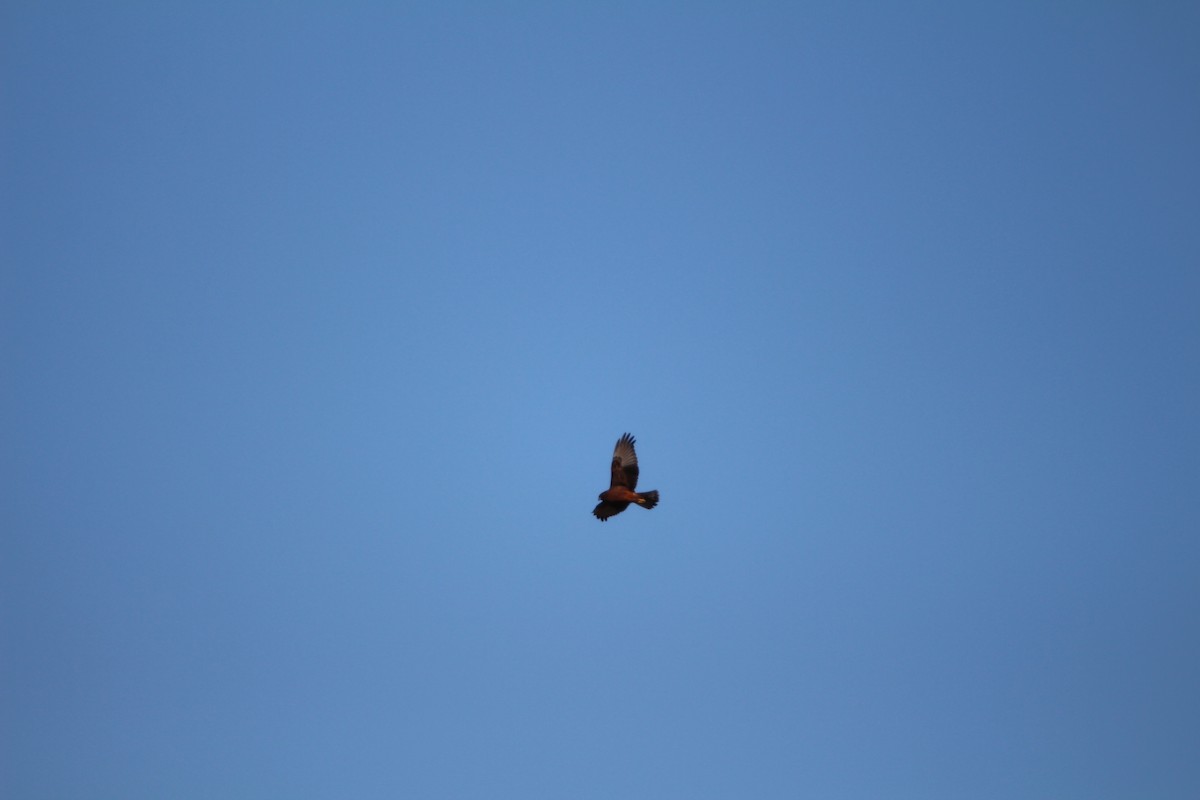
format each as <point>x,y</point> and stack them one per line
<point>319,323</point>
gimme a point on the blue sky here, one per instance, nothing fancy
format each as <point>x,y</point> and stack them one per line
<point>318,324</point>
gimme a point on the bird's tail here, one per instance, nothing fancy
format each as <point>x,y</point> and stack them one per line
<point>648,499</point>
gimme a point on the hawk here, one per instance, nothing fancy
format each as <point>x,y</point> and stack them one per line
<point>624,480</point>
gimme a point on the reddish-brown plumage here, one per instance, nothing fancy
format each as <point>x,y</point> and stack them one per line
<point>624,476</point>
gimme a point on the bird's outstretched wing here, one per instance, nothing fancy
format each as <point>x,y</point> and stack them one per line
<point>624,464</point>
<point>607,509</point>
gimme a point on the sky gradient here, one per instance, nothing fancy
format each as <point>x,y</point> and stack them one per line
<point>318,325</point>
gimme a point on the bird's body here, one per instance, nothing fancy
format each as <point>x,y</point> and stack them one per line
<point>624,476</point>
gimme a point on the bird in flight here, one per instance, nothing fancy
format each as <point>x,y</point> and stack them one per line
<point>624,480</point>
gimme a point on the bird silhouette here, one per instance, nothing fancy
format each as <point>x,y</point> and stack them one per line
<point>624,480</point>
